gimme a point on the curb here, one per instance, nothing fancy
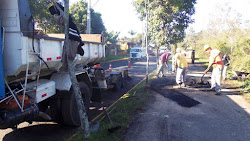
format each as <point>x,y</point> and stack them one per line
<point>116,60</point>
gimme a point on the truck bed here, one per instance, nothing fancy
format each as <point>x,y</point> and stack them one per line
<point>19,53</point>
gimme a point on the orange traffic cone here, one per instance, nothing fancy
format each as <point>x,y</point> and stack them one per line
<point>129,64</point>
<point>110,67</point>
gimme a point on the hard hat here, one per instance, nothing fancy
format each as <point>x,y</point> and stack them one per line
<point>206,47</point>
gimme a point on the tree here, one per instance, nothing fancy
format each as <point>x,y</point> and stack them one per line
<point>132,33</point>
<point>111,37</point>
<point>42,16</point>
<point>71,69</point>
<point>168,19</point>
<point>79,13</point>
<point>97,25</point>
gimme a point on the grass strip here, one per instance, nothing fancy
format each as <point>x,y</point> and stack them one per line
<point>244,85</point>
<point>123,115</point>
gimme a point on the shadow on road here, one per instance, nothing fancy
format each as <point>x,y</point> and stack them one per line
<point>41,132</point>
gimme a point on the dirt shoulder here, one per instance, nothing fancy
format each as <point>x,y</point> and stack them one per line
<point>192,113</point>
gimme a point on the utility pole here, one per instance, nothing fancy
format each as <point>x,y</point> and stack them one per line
<point>89,18</point>
<point>142,37</point>
<point>147,42</point>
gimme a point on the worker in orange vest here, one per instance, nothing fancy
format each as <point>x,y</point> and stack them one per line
<point>215,60</point>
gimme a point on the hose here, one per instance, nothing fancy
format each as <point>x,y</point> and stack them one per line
<point>33,38</point>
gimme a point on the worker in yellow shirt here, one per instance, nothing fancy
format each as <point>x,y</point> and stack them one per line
<point>182,65</point>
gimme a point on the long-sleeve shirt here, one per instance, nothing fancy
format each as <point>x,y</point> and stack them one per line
<point>164,57</point>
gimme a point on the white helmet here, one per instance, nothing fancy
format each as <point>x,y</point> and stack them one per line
<point>206,47</point>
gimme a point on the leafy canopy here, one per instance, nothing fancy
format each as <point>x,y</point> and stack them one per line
<point>168,19</point>
<point>77,10</point>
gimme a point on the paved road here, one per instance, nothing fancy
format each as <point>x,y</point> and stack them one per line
<point>51,131</point>
<point>191,114</point>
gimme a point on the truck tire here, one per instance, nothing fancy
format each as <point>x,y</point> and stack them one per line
<point>69,106</point>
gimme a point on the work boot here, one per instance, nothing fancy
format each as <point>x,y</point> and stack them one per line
<point>218,93</point>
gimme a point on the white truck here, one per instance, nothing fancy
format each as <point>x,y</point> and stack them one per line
<point>137,53</point>
<point>31,88</point>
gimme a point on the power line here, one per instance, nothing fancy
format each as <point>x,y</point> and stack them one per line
<point>95,3</point>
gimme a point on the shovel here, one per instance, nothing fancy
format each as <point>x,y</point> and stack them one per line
<point>201,82</point>
<point>113,128</point>
<point>95,126</point>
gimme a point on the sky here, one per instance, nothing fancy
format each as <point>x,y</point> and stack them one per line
<point>117,15</point>
<point>121,16</point>
<point>206,10</point>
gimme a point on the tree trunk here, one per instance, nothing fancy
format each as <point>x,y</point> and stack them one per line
<point>157,56</point>
<point>76,89</point>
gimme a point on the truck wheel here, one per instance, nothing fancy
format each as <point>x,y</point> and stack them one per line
<point>118,83</point>
<point>69,106</point>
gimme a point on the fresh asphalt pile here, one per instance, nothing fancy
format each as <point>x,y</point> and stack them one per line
<point>164,87</point>
<point>194,83</point>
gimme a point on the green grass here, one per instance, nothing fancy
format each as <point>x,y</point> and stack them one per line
<point>125,109</point>
<point>244,85</point>
<point>113,57</point>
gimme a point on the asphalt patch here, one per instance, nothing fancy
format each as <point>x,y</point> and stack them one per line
<point>176,96</point>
